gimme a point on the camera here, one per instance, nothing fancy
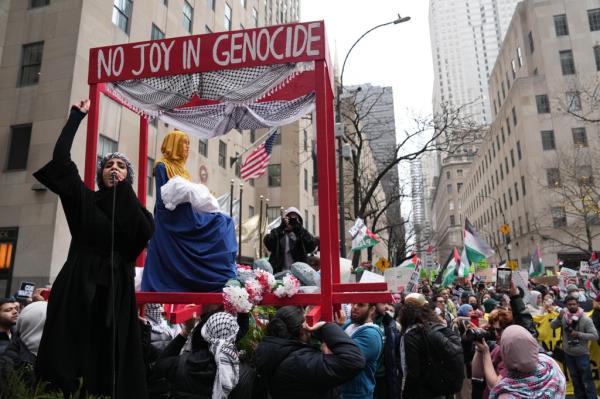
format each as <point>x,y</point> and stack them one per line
<point>479,334</point>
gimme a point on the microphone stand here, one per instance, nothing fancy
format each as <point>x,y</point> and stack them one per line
<point>112,285</point>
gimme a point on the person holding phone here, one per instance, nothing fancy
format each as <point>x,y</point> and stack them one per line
<point>93,298</point>
<point>290,242</point>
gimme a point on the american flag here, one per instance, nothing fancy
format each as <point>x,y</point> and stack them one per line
<point>256,163</point>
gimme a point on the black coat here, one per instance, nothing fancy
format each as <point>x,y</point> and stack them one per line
<point>304,244</point>
<point>291,369</point>
<point>190,374</point>
<point>77,338</point>
<point>391,355</point>
<point>596,321</point>
<point>15,357</point>
<point>5,339</point>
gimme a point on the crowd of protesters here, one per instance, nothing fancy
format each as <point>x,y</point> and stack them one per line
<point>441,342</point>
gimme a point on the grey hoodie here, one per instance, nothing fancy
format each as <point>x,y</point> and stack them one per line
<point>586,332</point>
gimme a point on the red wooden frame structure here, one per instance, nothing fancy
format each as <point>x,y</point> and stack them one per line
<point>290,43</point>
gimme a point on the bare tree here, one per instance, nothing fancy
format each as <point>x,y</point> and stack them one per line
<point>571,219</point>
<point>447,132</point>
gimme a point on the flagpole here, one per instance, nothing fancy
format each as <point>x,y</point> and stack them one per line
<point>240,224</point>
<point>231,200</point>
<point>260,232</point>
<point>266,218</point>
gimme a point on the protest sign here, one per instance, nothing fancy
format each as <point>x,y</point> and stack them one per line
<point>585,270</point>
<point>397,278</point>
<point>370,277</point>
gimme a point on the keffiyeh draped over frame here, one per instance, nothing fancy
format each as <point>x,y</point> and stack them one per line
<point>212,103</point>
<point>220,332</point>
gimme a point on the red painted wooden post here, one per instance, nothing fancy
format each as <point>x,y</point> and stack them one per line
<point>142,174</point>
<point>326,179</point>
<point>91,141</point>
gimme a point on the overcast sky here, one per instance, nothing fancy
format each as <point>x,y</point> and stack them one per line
<point>394,55</point>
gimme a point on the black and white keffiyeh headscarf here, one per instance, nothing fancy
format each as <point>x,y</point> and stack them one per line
<point>220,332</point>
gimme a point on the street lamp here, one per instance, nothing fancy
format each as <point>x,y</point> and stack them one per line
<point>507,235</point>
<point>340,137</point>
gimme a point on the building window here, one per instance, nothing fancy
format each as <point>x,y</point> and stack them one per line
<point>165,3</point>
<point>305,180</point>
<point>38,3</point>
<point>448,174</point>
<point>459,172</point>
<point>121,15</point>
<point>277,140</point>
<point>510,199</point>
<point>31,63</point>
<point>275,175</point>
<point>516,191</point>
<point>531,47</point>
<point>548,140</point>
<point>237,164</point>
<point>512,157</point>
<point>594,18</point>
<point>273,212</point>
<point>459,187</point>
<point>523,190</point>
<point>450,205</point>
<point>188,16</point>
<point>20,136</point>
<point>559,216</point>
<point>211,4</point>
<point>520,56</point>
<point>203,147</point>
<point>255,17</point>
<point>156,33</point>
<point>452,220</point>
<point>243,3</point>
<point>305,140</point>
<point>252,135</point>
<point>449,188</point>
<point>513,68</point>
<point>573,98</point>
<point>514,116</point>
<point>597,57</point>
<point>106,145</point>
<point>579,137</point>
<point>227,21</point>
<point>543,104</point>
<point>519,150</point>
<point>150,177</point>
<point>222,154</point>
<point>567,62</point>
<point>251,182</point>
<point>553,177</point>
<point>8,243</point>
<point>314,225</point>
<point>584,175</point>
<point>250,211</point>
<point>207,29</point>
<point>561,26</point>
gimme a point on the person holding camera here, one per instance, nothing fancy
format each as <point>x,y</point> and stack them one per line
<point>290,242</point>
<point>577,331</point>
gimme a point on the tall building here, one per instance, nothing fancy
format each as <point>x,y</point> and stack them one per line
<point>380,128</point>
<point>44,49</point>
<point>466,37</point>
<point>537,170</point>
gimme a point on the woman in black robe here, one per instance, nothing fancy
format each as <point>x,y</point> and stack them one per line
<point>77,339</point>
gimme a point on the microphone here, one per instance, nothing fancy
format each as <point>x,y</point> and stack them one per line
<point>113,176</point>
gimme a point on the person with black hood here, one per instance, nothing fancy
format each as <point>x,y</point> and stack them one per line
<point>289,367</point>
<point>289,242</point>
<point>211,368</point>
<point>91,332</point>
<point>9,314</point>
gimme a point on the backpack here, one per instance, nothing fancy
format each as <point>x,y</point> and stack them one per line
<point>445,366</point>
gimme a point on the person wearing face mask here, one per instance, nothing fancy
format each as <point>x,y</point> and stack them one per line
<point>192,249</point>
<point>289,367</point>
<point>577,331</point>
<point>93,296</point>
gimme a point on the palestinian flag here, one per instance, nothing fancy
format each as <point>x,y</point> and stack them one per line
<point>411,263</point>
<point>450,270</point>
<point>536,266</point>
<point>476,249</point>
<point>594,262</point>
<point>362,237</point>
<point>464,268</point>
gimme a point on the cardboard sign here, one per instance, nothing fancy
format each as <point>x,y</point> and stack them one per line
<point>397,278</point>
<point>487,275</point>
<point>521,282</point>
<point>370,277</point>
<point>585,270</point>
<point>546,280</point>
